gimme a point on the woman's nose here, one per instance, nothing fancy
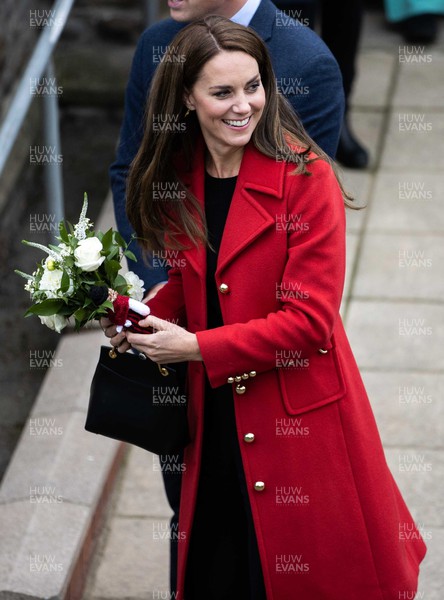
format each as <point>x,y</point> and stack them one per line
<point>241,105</point>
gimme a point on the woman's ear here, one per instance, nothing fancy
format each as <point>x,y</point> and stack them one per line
<point>188,101</point>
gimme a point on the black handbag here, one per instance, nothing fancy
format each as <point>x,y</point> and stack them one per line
<point>134,400</point>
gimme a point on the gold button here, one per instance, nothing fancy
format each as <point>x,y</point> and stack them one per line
<point>259,486</point>
<point>249,437</point>
<point>238,378</point>
<point>322,351</point>
<point>223,288</point>
<point>230,380</point>
<point>240,389</point>
<point>245,376</point>
<point>252,373</point>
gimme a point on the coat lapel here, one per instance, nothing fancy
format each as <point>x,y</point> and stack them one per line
<point>247,218</point>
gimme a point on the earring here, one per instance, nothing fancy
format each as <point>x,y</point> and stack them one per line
<point>187,113</point>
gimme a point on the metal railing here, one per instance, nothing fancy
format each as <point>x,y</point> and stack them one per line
<point>41,64</point>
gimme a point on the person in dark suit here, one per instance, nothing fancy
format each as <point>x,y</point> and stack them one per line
<point>340,27</point>
<point>307,74</point>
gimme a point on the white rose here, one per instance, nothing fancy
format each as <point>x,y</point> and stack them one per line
<point>135,289</point>
<point>50,282</point>
<point>55,322</point>
<point>87,254</point>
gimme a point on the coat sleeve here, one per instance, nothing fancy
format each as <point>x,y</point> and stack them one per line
<point>323,110</point>
<point>318,257</point>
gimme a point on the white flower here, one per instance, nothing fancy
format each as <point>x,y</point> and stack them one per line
<point>50,282</point>
<point>84,223</point>
<point>87,254</point>
<point>55,322</point>
<point>64,250</point>
<point>135,289</point>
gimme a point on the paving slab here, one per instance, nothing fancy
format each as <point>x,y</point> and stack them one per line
<point>37,545</point>
<point>419,473</point>
<point>408,407</point>
<point>414,139</point>
<point>407,201</point>
<point>401,266</point>
<point>69,365</point>
<point>420,82</point>
<point>396,335</point>
<point>135,560</point>
<point>40,472</point>
<point>375,71</point>
<point>142,493</point>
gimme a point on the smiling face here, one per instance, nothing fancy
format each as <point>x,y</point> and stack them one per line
<point>229,100</point>
<point>190,10</point>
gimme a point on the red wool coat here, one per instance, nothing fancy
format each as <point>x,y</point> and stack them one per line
<point>326,510</point>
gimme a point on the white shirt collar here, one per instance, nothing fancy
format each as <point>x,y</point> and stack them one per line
<point>246,13</point>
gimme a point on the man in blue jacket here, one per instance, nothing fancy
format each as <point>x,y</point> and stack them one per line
<point>307,74</point>
<point>306,71</point>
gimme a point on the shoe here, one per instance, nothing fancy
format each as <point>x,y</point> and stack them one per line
<point>420,28</point>
<point>350,153</point>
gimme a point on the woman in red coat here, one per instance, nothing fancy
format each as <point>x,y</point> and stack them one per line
<point>286,494</point>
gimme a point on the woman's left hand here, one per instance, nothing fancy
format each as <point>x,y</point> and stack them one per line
<point>169,344</point>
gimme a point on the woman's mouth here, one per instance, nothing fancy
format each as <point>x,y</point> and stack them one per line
<point>237,123</point>
<point>174,3</point>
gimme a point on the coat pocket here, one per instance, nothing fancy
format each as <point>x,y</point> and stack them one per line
<point>310,384</point>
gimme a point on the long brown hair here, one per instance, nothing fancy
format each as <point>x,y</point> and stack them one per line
<point>279,132</point>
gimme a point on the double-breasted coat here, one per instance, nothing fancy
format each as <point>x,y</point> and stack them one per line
<point>326,510</point>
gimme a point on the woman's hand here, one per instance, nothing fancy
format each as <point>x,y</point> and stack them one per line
<point>169,344</point>
<point>118,340</point>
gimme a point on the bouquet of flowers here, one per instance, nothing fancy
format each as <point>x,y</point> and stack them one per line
<point>80,279</point>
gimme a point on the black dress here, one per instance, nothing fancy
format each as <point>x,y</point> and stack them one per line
<point>223,560</point>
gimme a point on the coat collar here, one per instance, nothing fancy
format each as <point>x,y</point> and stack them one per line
<point>247,218</point>
<point>257,172</point>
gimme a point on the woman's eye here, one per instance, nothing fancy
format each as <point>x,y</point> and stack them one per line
<point>254,86</point>
<point>222,94</point>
